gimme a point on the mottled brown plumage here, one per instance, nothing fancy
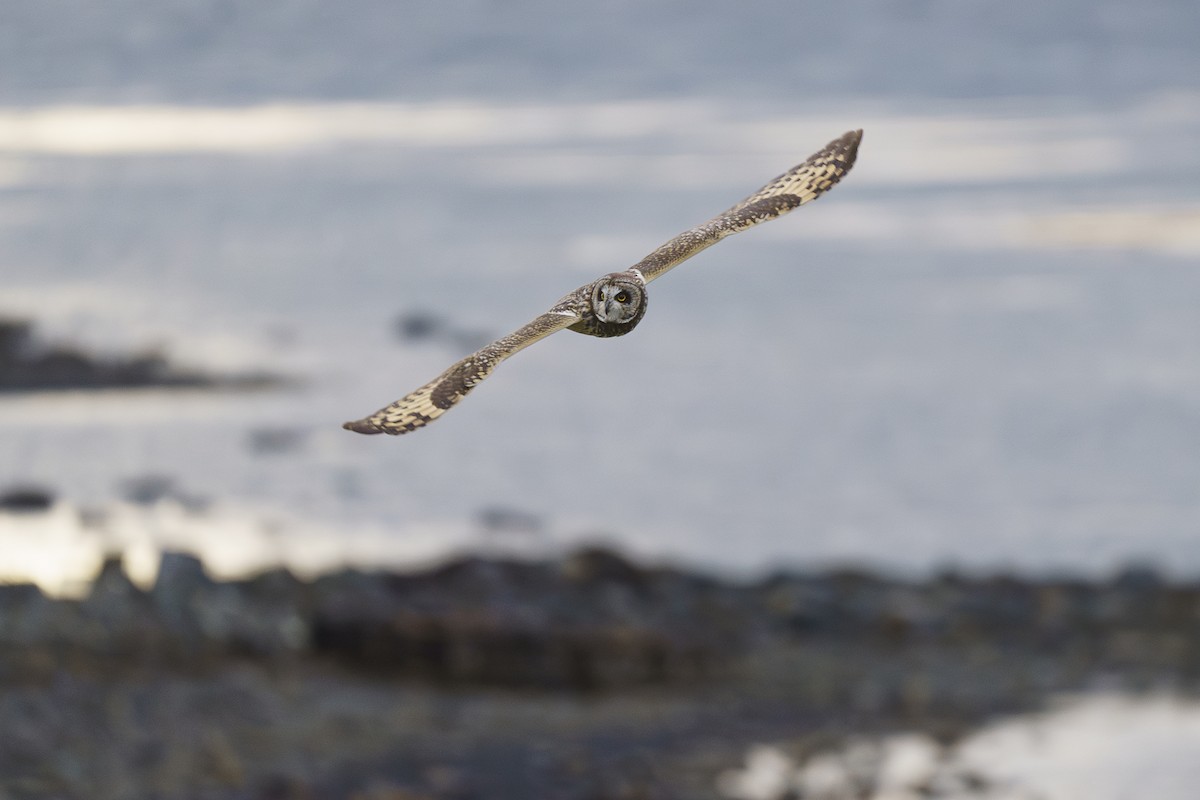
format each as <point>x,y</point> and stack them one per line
<point>792,189</point>
<point>614,304</point>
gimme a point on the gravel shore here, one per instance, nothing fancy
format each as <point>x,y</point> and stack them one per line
<point>586,677</point>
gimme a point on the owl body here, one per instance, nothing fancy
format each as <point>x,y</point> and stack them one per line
<point>614,304</point>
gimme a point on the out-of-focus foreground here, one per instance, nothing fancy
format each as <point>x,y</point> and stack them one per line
<point>588,676</point>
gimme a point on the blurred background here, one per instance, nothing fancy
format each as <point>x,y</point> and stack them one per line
<point>225,228</point>
<point>978,351</point>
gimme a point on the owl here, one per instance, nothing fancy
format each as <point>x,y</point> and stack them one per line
<point>614,304</point>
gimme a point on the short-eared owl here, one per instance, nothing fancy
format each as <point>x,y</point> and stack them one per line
<point>616,303</point>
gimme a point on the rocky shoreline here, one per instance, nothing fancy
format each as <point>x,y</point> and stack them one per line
<point>27,365</point>
<point>588,676</point>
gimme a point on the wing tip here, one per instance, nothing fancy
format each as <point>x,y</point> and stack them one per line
<point>362,426</point>
<point>847,144</point>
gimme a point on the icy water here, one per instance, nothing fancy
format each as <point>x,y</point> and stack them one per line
<point>980,349</point>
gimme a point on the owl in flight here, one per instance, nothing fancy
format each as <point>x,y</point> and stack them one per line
<point>616,303</point>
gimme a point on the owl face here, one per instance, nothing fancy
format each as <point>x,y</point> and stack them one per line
<point>618,299</point>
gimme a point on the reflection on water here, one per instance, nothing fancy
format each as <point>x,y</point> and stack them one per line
<point>1098,747</point>
<point>61,548</point>
<point>1170,230</point>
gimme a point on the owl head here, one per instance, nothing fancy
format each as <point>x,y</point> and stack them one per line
<point>619,299</point>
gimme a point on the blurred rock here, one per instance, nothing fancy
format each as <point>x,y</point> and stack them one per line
<point>181,578</point>
<point>598,621</point>
<point>148,489</point>
<point>26,500</point>
<point>26,365</point>
<point>24,611</point>
<point>15,337</point>
<point>592,565</point>
<point>489,622</point>
<point>120,607</point>
<point>276,441</point>
<point>499,520</point>
<point>283,787</point>
<point>417,326</point>
<point>210,687</point>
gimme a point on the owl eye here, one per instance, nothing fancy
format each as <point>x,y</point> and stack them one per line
<point>622,297</point>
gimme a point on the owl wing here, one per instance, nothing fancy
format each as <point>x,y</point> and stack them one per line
<point>792,189</point>
<point>417,409</point>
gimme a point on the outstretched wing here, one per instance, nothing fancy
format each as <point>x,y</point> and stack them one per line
<point>419,408</point>
<point>792,189</point>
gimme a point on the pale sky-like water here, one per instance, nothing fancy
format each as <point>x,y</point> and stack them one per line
<point>980,349</point>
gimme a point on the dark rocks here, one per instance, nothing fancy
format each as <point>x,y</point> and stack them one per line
<point>502,520</point>
<point>26,365</point>
<point>466,650</point>
<point>26,500</point>
<point>598,565</point>
<point>470,622</point>
<point>261,616</point>
<point>276,441</point>
<point>24,613</point>
<point>15,338</point>
<point>147,490</point>
<point>418,326</point>
<point>597,621</point>
<point>502,623</point>
<point>503,679</point>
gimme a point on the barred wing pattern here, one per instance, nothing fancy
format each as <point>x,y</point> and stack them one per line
<point>792,189</point>
<point>421,407</point>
